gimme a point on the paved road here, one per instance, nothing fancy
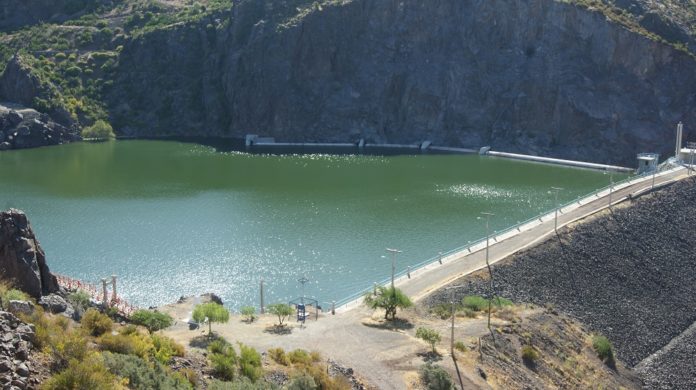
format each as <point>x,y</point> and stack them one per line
<point>421,285</point>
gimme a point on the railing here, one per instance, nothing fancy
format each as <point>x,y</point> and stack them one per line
<point>71,284</point>
<point>453,254</point>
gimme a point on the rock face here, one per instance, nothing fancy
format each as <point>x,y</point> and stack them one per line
<point>540,77</point>
<point>625,274</point>
<point>27,128</point>
<point>18,84</point>
<point>21,258</point>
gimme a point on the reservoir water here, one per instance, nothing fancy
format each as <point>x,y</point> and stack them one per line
<point>172,218</point>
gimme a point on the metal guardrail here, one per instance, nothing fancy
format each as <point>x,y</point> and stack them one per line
<point>415,268</point>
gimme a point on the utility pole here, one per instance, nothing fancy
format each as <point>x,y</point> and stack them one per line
<point>611,187</point>
<point>490,271</point>
<point>261,286</point>
<point>451,288</point>
<point>555,220</point>
<point>393,256</point>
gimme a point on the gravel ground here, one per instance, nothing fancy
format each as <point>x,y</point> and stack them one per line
<point>627,274</point>
<point>673,366</point>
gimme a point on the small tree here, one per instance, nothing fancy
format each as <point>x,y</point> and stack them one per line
<point>390,299</point>
<point>152,320</point>
<point>211,311</point>
<point>249,312</point>
<point>282,310</point>
<point>99,130</point>
<point>430,336</point>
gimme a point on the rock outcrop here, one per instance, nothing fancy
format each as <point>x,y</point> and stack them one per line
<point>16,343</point>
<point>21,258</point>
<point>540,77</point>
<point>22,127</point>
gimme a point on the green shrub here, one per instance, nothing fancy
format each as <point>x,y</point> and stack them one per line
<point>152,320</point>
<point>96,323</point>
<point>219,346</point>
<point>529,355</point>
<point>128,343</point>
<point>389,299</point>
<point>300,356</point>
<point>212,312</point>
<point>435,377</point>
<point>242,383</point>
<point>278,355</point>
<point>16,295</point>
<point>604,349</point>
<point>191,376</point>
<point>79,299</point>
<point>302,382</point>
<point>442,310</point>
<point>166,348</point>
<point>459,346</point>
<point>89,373</point>
<point>224,366</point>
<point>100,130</point>
<point>249,312</point>
<point>68,346</point>
<point>144,376</point>
<point>73,71</point>
<point>430,336</point>
<point>282,310</point>
<point>475,303</point>
<point>250,362</point>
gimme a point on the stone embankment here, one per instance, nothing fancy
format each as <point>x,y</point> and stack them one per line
<point>627,274</point>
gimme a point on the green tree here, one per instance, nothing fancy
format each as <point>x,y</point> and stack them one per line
<point>389,299</point>
<point>211,311</point>
<point>249,312</point>
<point>100,130</point>
<point>435,377</point>
<point>430,336</point>
<point>282,310</point>
<point>152,320</point>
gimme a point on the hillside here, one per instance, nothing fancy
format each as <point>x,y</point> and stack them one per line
<point>626,274</point>
<point>583,79</point>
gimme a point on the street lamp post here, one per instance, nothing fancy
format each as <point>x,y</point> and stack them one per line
<point>555,219</point>
<point>393,256</point>
<point>302,281</point>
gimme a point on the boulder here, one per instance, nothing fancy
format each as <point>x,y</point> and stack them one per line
<point>21,307</point>
<point>53,303</point>
<point>21,258</point>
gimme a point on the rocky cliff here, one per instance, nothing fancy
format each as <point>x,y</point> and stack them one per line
<point>534,76</point>
<point>22,260</point>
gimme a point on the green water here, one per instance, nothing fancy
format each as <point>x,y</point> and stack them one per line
<point>176,219</point>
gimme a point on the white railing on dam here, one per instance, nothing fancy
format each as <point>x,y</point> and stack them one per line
<point>401,276</point>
